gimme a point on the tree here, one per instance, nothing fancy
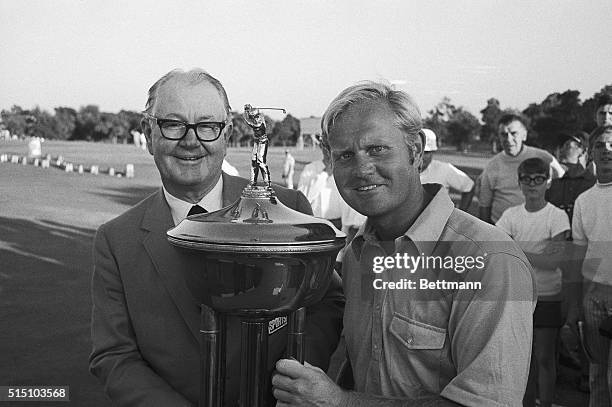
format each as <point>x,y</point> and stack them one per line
<point>462,126</point>
<point>130,120</point>
<point>15,120</point>
<point>88,118</point>
<point>286,132</point>
<point>241,131</point>
<point>557,114</point>
<point>41,124</point>
<point>65,122</point>
<point>490,116</point>
<point>438,118</point>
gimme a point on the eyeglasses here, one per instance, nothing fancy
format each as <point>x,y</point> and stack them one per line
<point>537,180</point>
<point>172,129</point>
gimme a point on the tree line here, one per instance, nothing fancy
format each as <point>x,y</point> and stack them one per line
<point>90,124</point>
<point>558,113</point>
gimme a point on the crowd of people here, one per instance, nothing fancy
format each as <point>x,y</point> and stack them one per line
<point>540,258</point>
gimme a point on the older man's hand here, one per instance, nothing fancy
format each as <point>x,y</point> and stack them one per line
<point>305,385</point>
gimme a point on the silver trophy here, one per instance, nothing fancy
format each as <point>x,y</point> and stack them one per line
<point>262,261</point>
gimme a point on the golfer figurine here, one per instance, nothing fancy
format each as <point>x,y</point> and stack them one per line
<point>255,119</point>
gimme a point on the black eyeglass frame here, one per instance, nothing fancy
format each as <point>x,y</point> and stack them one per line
<point>531,179</point>
<point>194,126</point>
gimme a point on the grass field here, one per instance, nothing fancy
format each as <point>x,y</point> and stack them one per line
<point>47,222</point>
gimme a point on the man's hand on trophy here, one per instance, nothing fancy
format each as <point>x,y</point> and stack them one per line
<point>305,385</point>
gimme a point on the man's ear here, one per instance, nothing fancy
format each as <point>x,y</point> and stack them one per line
<point>227,132</point>
<point>417,153</point>
<point>147,130</point>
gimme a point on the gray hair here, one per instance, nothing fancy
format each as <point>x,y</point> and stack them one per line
<point>192,77</point>
<point>407,114</point>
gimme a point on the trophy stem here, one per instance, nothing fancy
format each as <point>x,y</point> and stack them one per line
<point>296,336</point>
<point>212,357</point>
<point>253,363</point>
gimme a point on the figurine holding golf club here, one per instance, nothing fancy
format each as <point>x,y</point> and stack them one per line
<point>255,119</point>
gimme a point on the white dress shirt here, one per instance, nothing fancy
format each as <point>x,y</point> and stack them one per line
<point>213,201</point>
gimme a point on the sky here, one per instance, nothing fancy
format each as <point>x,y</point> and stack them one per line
<point>300,54</point>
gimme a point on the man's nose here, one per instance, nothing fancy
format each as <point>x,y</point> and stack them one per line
<point>190,139</point>
<point>364,165</point>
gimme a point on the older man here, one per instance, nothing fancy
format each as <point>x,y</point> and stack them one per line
<point>146,293</point>
<point>418,332</point>
<point>498,187</point>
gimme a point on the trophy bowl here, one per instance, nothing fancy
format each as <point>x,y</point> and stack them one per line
<point>260,258</point>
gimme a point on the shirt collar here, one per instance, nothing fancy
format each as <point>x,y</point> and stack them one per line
<point>424,232</point>
<point>212,201</point>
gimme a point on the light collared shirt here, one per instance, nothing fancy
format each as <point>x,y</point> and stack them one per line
<point>320,189</point>
<point>472,346</point>
<point>212,201</point>
<point>592,227</point>
<point>447,175</point>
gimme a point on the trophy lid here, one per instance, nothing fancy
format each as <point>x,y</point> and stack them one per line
<point>256,223</point>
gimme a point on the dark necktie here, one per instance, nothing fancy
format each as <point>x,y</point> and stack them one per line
<point>196,210</point>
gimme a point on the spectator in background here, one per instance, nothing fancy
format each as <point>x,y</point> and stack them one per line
<point>317,183</point>
<point>34,147</point>
<point>498,187</point>
<point>592,234</point>
<point>533,226</point>
<point>603,113</point>
<point>563,193</point>
<point>446,174</point>
<point>573,156</point>
<point>288,169</point>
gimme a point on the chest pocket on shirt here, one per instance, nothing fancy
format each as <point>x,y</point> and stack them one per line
<point>416,335</point>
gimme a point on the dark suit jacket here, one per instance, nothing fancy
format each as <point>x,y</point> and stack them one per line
<point>145,320</point>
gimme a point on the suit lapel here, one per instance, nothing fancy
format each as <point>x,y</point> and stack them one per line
<point>232,188</point>
<point>169,262</point>
<point>173,264</point>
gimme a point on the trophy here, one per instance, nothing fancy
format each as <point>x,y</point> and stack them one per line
<point>255,119</point>
<point>263,262</point>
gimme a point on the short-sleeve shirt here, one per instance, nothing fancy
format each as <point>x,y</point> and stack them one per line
<point>532,231</point>
<point>499,187</point>
<point>447,175</point>
<point>471,346</point>
<point>320,189</point>
<point>592,227</point>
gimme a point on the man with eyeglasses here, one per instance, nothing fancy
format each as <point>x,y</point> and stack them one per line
<point>146,293</point>
<point>498,187</point>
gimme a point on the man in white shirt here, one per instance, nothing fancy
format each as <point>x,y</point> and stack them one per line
<point>446,174</point>
<point>288,169</point>
<point>317,183</point>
